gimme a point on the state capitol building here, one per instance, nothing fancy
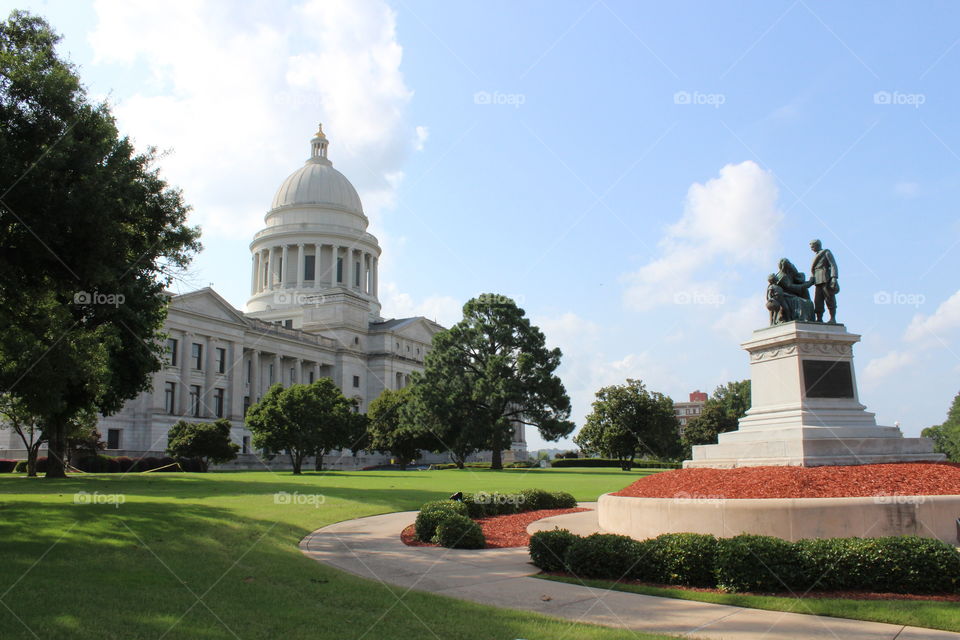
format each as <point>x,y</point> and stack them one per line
<point>313,312</point>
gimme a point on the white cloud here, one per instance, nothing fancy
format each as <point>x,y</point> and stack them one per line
<point>422,134</point>
<point>727,220</point>
<point>943,320</point>
<point>746,315</point>
<point>236,90</point>
<point>397,304</point>
<point>882,367</point>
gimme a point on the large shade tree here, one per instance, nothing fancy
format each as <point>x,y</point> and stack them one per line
<point>946,436</point>
<point>205,441</point>
<point>302,419</point>
<point>494,367</point>
<point>91,235</point>
<point>394,429</point>
<point>628,419</point>
<point>721,413</point>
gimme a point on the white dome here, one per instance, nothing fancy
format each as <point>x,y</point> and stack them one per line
<point>318,183</point>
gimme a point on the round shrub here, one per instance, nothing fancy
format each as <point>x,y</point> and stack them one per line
<point>475,508</point>
<point>7,466</point>
<point>125,463</point>
<point>606,555</point>
<point>459,532</point>
<point>549,548</point>
<point>432,513</point>
<point>165,463</point>
<point>758,563</point>
<point>684,558</point>
<point>906,564</point>
<point>535,500</point>
<point>563,500</point>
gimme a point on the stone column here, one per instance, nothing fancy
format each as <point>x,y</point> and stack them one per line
<point>376,278</point>
<point>264,269</point>
<point>236,374</point>
<point>300,265</point>
<point>284,266</point>
<point>254,389</point>
<point>316,371</point>
<point>278,369</point>
<point>183,393</point>
<point>298,370</point>
<point>253,274</point>
<point>271,265</point>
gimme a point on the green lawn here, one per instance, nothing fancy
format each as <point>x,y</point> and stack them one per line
<point>928,613</point>
<point>211,556</point>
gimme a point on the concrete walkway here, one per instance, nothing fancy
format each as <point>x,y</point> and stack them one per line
<point>371,548</point>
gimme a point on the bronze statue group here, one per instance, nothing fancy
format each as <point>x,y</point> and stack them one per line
<point>788,290</point>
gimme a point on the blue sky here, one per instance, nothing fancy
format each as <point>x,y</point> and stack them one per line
<point>629,172</point>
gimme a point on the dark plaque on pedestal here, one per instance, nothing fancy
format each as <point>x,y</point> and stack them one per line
<point>827,379</point>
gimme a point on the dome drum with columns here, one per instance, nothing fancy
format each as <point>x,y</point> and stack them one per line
<point>315,245</point>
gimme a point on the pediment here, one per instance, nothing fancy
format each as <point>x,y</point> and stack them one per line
<point>207,302</point>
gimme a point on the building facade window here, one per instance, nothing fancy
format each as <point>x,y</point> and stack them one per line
<point>356,274</point>
<point>246,404</point>
<point>309,267</point>
<point>170,397</point>
<point>356,381</point>
<point>293,375</point>
<point>310,375</point>
<point>249,370</point>
<point>288,324</point>
<point>221,360</point>
<point>270,373</point>
<point>196,353</point>
<point>218,402</point>
<point>113,438</point>
<point>195,400</point>
<point>339,269</point>
<point>172,351</point>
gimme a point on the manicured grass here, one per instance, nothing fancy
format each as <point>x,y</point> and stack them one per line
<point>915,613</point>
<point>214,556</point>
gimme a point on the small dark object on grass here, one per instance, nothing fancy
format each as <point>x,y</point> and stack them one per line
<point>458,496</point>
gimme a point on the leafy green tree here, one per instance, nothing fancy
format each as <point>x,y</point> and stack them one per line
<point>14,415</point>
<point>393,429</point>
<point>721,413</point>
<point>946,436</point>
<point>628,419</point>
<point>447,416</point>
<point>206,441</point>
<point>91,235</point>
<point>302,419</point>
<point>490,371</point>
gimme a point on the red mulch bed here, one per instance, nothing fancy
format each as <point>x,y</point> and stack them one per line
<point>846,595</point>
<point>499,531</point>
<point>868,480</point>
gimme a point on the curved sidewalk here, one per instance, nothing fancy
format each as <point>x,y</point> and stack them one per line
<point>371,548</point>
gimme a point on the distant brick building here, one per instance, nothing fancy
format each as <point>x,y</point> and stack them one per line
<point>688,410</point>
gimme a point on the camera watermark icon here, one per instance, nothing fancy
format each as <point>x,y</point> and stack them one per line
<point>294,298</point>
<point>514,100</point>
<point>482,497</point>
<point>499,300</point>
<point>83,497</point>
<point>899,98</point>
<point>90,298</point>
<point>897,498</point>
<point>897,297</point>
<point>699,98</point>
<point>699,298</point>
<point>697,498</point>
<point>297,498</point>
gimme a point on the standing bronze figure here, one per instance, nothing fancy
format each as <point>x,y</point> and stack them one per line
<point>824,280</point>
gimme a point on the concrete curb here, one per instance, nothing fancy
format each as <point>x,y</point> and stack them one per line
<point>371,548</point>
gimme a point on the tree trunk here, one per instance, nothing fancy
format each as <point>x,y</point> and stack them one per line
<point>33,452</point>
<point>496,456</point>
<point>402,462</point>
<point>318,466</point>
<point>56,449</point>
<point>295,460</point>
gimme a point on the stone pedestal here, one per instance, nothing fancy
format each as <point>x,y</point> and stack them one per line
<point>805,410</point>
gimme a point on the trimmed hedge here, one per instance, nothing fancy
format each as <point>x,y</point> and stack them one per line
<point>549,548</point>
<point>432,513</point>
<point>456,531</point>
<point>22,465</point>
<point>608,462</point>
<point>7,466</point>
<point>443,466</point>
<point>482,504</point>
<point>606,555</point>
<point>902,564</point>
